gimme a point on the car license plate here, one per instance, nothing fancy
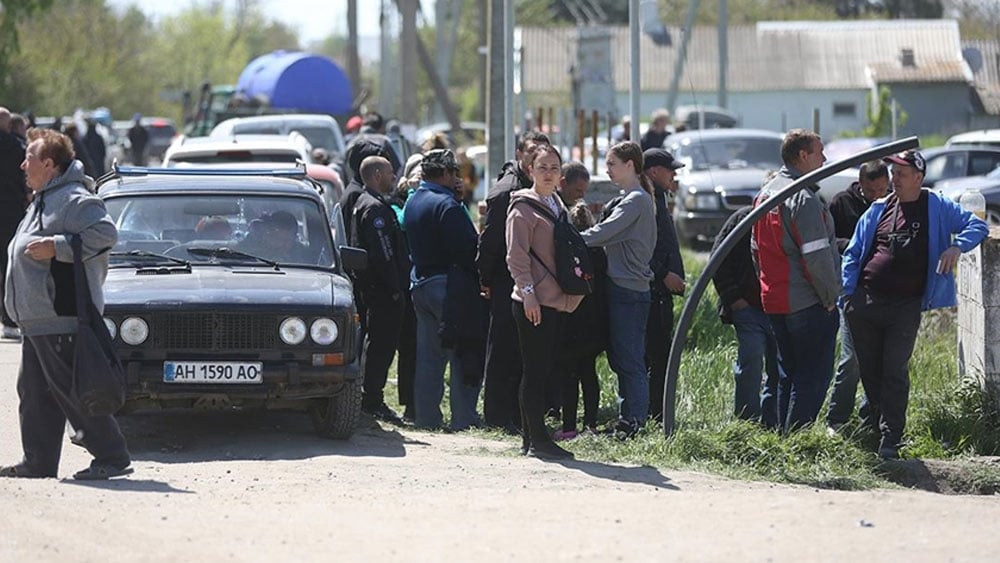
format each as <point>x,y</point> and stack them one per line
<point>213,372</point>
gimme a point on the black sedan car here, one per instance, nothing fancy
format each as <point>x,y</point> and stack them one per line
<point>724,170</point>
<point>227,289</point>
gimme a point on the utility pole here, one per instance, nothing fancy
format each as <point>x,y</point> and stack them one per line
<point>675,81</point>
<point>484,30</point>
<point>408,59</point>
<point>388,84</point>
<point>723,53</point>
<point>496,134</point>
<point>635,91</point>
<point>353,64</point>
<point>447,14</point>
<point>508,73</point>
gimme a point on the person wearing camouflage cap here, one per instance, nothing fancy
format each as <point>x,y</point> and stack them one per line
<point>442,243</point>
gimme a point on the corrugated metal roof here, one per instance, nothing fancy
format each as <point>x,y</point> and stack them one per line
<point>989,73</point>
<point>768,56</point>
<point>929,71</point>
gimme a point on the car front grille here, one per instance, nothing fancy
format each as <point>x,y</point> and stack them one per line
<point>214,331</point>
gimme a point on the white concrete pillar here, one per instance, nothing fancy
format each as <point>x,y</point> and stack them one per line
<point>979,314</point>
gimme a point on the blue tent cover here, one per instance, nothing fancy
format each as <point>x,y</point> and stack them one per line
<point>297,80</point>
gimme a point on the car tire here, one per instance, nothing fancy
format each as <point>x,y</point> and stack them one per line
<point>338,416</point>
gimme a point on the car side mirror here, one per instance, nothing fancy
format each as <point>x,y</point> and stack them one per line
<point>354,259</point>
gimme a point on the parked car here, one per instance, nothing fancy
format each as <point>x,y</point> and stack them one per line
<point>227,289</point>
<point>161,134</point>
<point>474,133</point>
<point>988,137</point>
<point>989,185</point>
<point>196,151</point>
<point>321,130</point>
<point>724,170</point>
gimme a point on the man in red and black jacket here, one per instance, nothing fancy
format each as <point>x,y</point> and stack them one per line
<point>795,250</point>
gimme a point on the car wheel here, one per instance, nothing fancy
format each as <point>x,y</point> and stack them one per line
<point>338,416</point>
<point>993,216</point>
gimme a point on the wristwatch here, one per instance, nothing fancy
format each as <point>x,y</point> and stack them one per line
<point>528,289</point>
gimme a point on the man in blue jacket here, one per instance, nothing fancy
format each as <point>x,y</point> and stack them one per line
<point>441,237</point>
<point>899,263</point>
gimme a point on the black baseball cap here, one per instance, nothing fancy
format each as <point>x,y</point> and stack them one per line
<point>909,158</point>
<point>659,157</point>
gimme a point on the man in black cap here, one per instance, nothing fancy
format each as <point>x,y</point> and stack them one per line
<point>900,263</point>
<point>668,275</point>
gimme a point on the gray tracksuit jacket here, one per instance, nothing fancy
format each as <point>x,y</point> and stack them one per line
<point>39,294</point>
<point>628,236</point>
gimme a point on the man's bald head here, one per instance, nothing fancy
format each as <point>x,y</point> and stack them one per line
<point>376,173</point>
<point>4,119</point>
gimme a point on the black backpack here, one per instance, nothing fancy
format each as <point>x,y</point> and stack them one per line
<point>574,269</point>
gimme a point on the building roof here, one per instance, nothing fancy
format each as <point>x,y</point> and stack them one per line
<point>764,57</point>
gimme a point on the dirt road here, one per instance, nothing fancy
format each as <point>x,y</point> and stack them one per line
<point>253,487</point>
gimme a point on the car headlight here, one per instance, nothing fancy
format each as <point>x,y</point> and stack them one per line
<point>112,327</point>
<point>134,331</point>
<point>705,202</point>
<point>292,330</point>
<point>323,331</point>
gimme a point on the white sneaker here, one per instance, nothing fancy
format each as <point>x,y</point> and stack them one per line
<point>11,333</point>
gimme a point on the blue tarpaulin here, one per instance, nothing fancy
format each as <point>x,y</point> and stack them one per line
<point>297,80</point>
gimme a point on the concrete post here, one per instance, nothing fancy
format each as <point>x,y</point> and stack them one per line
<point>979,315</point>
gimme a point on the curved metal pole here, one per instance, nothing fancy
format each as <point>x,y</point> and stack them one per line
<point>680,337</point>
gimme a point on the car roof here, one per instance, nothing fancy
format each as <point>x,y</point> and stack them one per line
<point>991,136</point>
<point>728,133</point>
<point>292,142</point>
<point>280,118</point>
<point>163,181</point>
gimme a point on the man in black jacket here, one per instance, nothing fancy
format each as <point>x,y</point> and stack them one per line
<point>503,357</point>
<point>738,287</point>
<point>13,200</point>
<point>846,208</point>
<point>668,275</point>
<point>382,284</point>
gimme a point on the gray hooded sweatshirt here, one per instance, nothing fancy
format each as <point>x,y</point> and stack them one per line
<point>39,294</point>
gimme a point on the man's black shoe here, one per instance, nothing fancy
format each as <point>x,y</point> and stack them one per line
<point>549,451</point>
<point>409,414</point>
<point>384,413</point>
<point>624,429</point>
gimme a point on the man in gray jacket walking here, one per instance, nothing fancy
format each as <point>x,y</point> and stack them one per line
<point>40,297</point>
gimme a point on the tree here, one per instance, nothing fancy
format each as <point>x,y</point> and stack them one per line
<point>880,115</point>
<point>13,12</point>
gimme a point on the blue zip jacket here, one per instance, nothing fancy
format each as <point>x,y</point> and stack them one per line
<point>439,232</point>
<point>945,218</point>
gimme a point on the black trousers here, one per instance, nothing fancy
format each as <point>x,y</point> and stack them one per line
<point>659,332</point>
<point>503,362</point>
<point>572,375</point>
<point>538,352</point>
<point>43,386</point>
<point>385,317</point>
<point>884,331</point>
<point>406,360</point>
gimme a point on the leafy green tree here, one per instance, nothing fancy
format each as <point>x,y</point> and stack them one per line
<point>13,12</point>
<point>880,115</point>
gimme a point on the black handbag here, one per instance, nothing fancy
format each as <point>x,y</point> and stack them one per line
<point>98,375</point>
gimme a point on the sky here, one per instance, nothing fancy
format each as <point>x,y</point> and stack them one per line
<point>314,19</point>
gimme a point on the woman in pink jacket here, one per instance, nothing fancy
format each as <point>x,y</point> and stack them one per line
<point>540,305</point>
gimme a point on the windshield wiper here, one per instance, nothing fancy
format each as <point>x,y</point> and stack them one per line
<point>145,254</point>
<point>229,253</point>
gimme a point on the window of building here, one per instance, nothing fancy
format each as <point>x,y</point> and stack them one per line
<point>844,109</point>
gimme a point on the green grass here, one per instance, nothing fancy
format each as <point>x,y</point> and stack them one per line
<point>947,418</point>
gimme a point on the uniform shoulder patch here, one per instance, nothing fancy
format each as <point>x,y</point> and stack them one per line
<point>379,223</point>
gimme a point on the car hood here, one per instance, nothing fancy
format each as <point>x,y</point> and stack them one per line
<point>217,285</point>
<point>954,188</point>
<point>748,179</point>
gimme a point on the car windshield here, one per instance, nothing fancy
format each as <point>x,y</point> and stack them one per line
<point>317,135</point>
<point>286,230</point>
<point>730,153</point>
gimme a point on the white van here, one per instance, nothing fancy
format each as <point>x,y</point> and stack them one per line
<point>321,130</point>
<point>987,137</point>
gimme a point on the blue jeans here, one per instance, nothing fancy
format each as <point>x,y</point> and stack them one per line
<point>756,354</point>
<point>845,382</point>
<point>628,311</point>
<point>428,385</point>
<point>806,340</point>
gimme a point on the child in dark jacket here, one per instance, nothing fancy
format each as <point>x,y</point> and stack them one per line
<point>584,339</point>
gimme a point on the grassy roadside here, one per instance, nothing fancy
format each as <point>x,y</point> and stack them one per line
<point>947,419</point>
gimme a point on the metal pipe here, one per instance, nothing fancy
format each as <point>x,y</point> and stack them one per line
<point>691,304</point>
<point>635,90</point>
